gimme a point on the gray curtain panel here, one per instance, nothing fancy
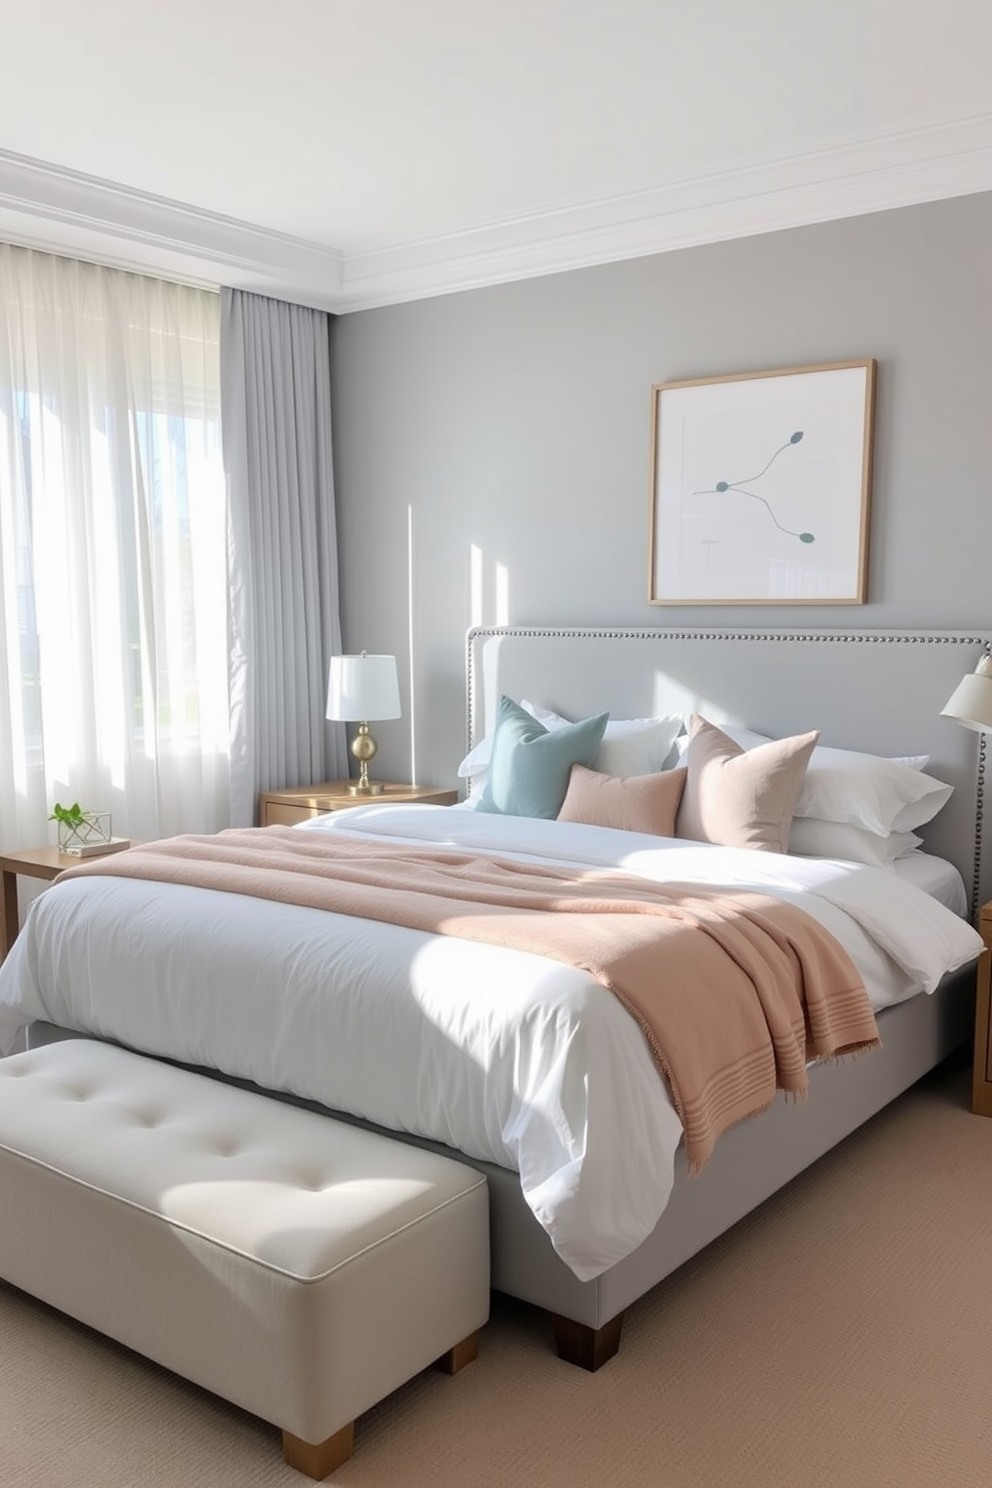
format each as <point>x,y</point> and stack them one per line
<point>284,620</point>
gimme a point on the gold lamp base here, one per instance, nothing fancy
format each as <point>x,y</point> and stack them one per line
<point>364,747</point>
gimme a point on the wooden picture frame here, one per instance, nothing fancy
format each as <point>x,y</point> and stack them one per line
<point>761,487</point>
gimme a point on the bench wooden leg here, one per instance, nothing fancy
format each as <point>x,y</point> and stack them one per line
<point>463,1353</point>
<point>317,1459</point>
<point>589,1348</point>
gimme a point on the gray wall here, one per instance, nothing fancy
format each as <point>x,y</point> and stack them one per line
<point>516,420</point>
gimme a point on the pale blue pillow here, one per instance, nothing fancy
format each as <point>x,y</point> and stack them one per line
<point>530,766</point>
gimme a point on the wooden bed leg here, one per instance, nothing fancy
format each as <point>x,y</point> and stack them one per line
<point>461,1354</point>
<point>589,1348</point>
<point>317,1459</point>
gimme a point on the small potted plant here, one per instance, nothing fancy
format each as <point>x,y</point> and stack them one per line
<point>80,832</point>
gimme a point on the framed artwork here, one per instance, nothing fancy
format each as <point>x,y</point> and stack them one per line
<point>761,487</point>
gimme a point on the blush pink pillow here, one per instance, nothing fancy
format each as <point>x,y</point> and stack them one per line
<point>741,799</point>
<point>634,803</point>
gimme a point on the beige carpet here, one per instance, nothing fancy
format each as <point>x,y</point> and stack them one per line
<point>840,1338</point>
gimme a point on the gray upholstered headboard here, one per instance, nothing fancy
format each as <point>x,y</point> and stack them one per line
<point>878,691</point>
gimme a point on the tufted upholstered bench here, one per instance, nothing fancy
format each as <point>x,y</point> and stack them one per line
<point>298,1266</point>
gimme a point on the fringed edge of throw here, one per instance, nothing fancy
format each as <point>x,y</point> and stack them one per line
<point>694,1166</point>
<point>850,1051</point>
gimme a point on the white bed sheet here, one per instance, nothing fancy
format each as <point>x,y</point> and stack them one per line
<point>500,1054</point>
<point>936,877</point>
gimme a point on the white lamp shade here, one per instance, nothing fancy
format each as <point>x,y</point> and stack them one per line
<point>971,701</point>
<point>363,688</point>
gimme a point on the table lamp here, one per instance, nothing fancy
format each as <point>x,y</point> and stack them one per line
<point>360,688</point>
<point>971,701</point>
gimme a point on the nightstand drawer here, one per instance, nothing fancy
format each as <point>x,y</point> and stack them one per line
<point>279,814</point>
<point>284,808</point>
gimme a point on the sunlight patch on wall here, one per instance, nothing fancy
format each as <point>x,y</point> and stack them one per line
<point>409,636</point>
<point>500,590</point>
<point>502,594</point>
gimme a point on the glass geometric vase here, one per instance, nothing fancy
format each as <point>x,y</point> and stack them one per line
<point>92,831</point>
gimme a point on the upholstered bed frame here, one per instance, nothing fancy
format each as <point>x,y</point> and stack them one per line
<point>878,691</point>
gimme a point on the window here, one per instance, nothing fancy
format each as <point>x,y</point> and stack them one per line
<point>112,549</point>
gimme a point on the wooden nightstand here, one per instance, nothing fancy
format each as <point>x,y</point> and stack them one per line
<point>284,808</point>
<point>981,1087</point>
<point>32,862</point>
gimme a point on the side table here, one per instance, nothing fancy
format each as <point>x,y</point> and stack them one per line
<point>981,1085</point>
<point>284,808</point>
<point>28,862</point>
<point>31,862</point>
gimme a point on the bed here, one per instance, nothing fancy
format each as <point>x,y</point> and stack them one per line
<point>591,1204</point>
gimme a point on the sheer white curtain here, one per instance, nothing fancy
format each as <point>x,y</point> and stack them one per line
<point>113,579</point>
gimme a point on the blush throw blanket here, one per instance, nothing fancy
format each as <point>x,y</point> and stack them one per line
<point>734,992</point>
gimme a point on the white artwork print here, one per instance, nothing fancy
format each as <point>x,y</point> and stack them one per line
<point>760,489</point>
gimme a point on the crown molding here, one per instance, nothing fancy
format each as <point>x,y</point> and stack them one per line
<point>48,207</point>
<point>945,159</point>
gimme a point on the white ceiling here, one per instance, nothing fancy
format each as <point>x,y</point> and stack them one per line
<point>347,153</point>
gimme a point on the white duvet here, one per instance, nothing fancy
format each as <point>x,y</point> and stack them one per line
<point>501,1054</point>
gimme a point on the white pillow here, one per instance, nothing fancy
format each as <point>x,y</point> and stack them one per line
<point>881,795</point>
<point>863,790</point>
<point>637,746</point>
<point>631,746</point>
<point>813,838</point>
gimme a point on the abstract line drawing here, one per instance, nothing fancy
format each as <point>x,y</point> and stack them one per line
<point>760,486</point>
<point>722,487</point>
